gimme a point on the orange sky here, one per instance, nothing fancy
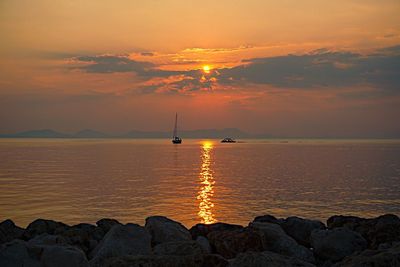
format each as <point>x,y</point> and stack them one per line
<point>288,68</point>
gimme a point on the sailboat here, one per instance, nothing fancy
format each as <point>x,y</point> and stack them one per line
<point>175,138</point>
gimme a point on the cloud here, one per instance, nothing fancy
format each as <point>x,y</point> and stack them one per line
<point>111,63</point>
<point>320,68</point>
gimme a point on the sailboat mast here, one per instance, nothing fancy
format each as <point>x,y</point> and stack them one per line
<point>176,125</point>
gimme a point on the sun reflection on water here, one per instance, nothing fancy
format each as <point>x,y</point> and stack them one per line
<point>207,185</point>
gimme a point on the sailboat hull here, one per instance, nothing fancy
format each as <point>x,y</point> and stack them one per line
<point>176,141</point>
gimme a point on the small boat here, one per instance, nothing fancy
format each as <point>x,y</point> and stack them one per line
<point>175,138</point>
<point>228,140</point>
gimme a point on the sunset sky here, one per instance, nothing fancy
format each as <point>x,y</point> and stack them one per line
<point>287,68</point>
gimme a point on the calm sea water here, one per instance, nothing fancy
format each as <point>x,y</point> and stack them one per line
<point>198,181</point>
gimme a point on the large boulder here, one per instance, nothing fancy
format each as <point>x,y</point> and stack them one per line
<point>351,222</point>
<point>9,231</point>
<point>63,256</point>
<point>373,258</point>
<point>210,260</point>
<point>46,239</point>
<point>129,239</point>
<point>382,229</point>
<point>163,230</point>
<point>214,260</point>
<point>204,244</point>
<point>229,243</point>
<point>17,253</point>
<point>300,229</point>
<point>202,229</point>
<point>276,240</point>
<point>268,219</point>
<point>41,226</point>
<point>83,235</point>
<point>335,244</point>
<point>178,248</point>
<point>22,253</point>
<point>106,224</point>
<point>154,261</point>
<point>267,258</point>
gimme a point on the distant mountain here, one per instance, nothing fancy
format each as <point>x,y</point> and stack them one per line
<point>45,133</point>
<point>88,133</point>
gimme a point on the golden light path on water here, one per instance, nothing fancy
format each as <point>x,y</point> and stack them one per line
<point>207,182</point>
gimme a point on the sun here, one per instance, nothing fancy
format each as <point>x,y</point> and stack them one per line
<point>206,68</point>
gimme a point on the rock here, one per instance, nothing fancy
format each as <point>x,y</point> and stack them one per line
<point>17,253</point>
<point>382,229</point>
<point>350,222</point>
<point>214,260</point>
<point>9,231</point>
<point>106,224</point>
<point>373,258</point>
<point>178,248</point>
<point>85,236</point>
<point>300,229</point>
<point>268,219</point>
<point>337,243</point>
<point>63,256</point>
<point>154,261</point>
<point>385,229</point>
<point>163,230</point>
<point>41,226</point>
<point>22,253</point>
<point>202,229</point>
<point>229,243</point>
<point>204,244</point>
<point>276,240</point>
<point>267,258</point>
<point>129,239</point>
<point>46,239</point>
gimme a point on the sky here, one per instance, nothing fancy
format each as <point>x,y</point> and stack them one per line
<point>287,68</point>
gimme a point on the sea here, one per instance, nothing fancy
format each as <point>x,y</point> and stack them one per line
<point>198,181</point>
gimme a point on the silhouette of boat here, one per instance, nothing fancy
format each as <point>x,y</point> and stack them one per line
<point>175,138</point>
<point>228,140</point>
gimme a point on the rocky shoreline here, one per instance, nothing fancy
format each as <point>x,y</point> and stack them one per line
<point>266,241</point>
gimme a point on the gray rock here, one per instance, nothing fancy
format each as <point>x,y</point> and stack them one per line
<point>106,224</point>
<point>337,243</point>
<point>9,231</point>
<point>129,239</point>
<point>230,243</point>
<point>202,229</point>
<point>268,219</point>
<point>22,253</point>
<point>46,239</point>
<point>214,260</point>
<point>382,229</point>
<point>267,258</point>
<point>85,236</point>
<point>373,258</point>
<point>163,230</point>
<point>63,256</point>
<point>178,248</point>
<point>155,261</point>
<point>300,229</point>
<point>204,244</point>
<point>351,222</point>
<point>276,240</point>
<point>41,226</point>
<point>17,253</point>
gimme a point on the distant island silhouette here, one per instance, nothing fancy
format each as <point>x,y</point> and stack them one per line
<point>89,133</point>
